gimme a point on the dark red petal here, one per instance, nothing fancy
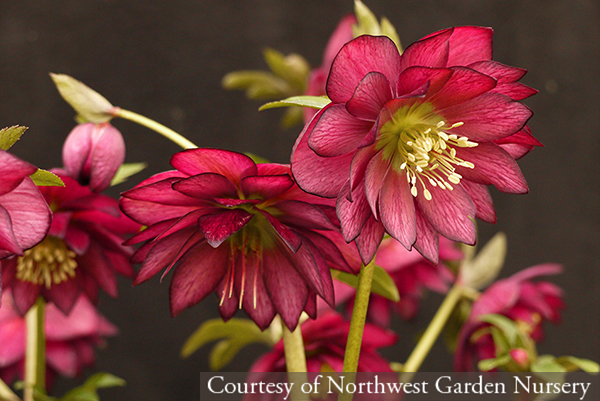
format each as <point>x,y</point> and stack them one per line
<point>197,275</point>
<point>25,294</point>
<point>266,186</point>
<point>469,44</point>
<point>369,239</point>
<point>413,80</point>
<point>482,200</point>
<point>431,51</point>
<point>13,171</point>
<point>149,213</point>
<point>516,91</point>
<point>503,73</point>
<point>427,238</point>
<point>232,165</point>
<point>311,264</point>
<point>78,240</point>
<point>464,84</point>
<point>220,226</point>
<point>335,250</point>
<point>8,241</point>
<point>523,137</point>
<point>374,177</point>
<point>303,215</point>
<point>227,202</point>
<point>150,232</point>
<point>397,208</point>
<point>63,295</point>
<point>291,239</point>
<point>95,262</point>
<point>107,155</point>
<point>206,186</point>
<point>161,192</point>
<point>352,215</point>
<point>370,95</point>
<point>450,213</point>
<point>359,164</point>
<point>356,59</point>
<point>337,132</point>
<point>273,169</point>
<point>493,165</point>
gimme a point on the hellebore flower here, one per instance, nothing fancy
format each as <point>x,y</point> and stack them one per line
<point>92,154</point>
<point>241,230</point>
<point>518,298</point>
<point>24,215</point>
<point>325,343</point>
<point>70,340</point>
<point>409,142</point>
<point>81,251</point>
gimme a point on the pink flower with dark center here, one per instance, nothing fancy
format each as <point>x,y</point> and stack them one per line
<point>70,340</point>
<point>325,343</point>
<point>242,230</point>
<point>92,154</point>
<point>24,214</point>
<point>81,252</point>
<point>409,142</point>
<point>518,298</point>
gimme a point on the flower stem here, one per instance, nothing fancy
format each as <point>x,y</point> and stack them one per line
<point>433,331</point>
<point>35,353</point>
<point>157,127</point>
<point>6,394</point>
<point>295,361</point>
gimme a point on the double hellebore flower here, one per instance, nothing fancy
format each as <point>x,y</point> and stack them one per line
<point>409,142</point>
<point>242,230</point>
<point>81,251</point>
<point>518,298</point>
<point>325,342</point>
<point>92,154</point>
<point>70,340</point>
<point>24,215</point>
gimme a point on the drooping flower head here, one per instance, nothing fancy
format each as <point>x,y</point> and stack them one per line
<point>241,230</point>
<point>92,154</point>
<point>519,298</point>
<point>81,252</point>
<point>24,214</point>
<point>325,343</point>
<point>409,142</point>
<point>70,340</point>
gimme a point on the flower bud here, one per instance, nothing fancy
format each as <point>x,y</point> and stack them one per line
<point>92,153</point>
<point>520,357</point>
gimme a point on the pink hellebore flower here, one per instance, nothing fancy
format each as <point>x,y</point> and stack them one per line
<point>81,251</point>
<point>92,154</point>
<point>242,230</point>
<point>70,340</point>
<point>409,142</point>
<point>325,342</point>
<point>318,77</point>
<point>517,298</point>
<point>24,215</point>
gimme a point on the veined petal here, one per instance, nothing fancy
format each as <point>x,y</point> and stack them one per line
<point>397,208</point>
<point>464,84</point>
<point>493,165</point>
<point>337,132</point>
<point>266,186</point>
<point>370,95</point>
<point>216,228</point>
<point>360,161</point>
<point>480,195</point>
<point>162,192</point>
<point>413,79</point>
<point>232,165</point>
<point>356,59</point>
<point>107,155</point>
<point>13,171</point>
<point>206,186</point>
<point>427,242</point>
<point>65,294</point>
<point>303,215</point>
<point>503,73</point>
<point>450,213</point>
<point>369,239</point>
<point>197,275</point>
<point>516,91</point>
<point>431,51</point>
<point>291,239</point>
<point>374,177</point>
<point>8,241</point>
<point>469,44</point>
<point>149,213</point>
<point>352,214</point>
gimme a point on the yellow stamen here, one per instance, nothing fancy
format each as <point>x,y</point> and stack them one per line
<point>50,262</point>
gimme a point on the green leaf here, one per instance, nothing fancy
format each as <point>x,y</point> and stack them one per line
<point>571,364</point>
<point>224,351</point>
<point>383,284</point>
<point>238,330</point>
<point>10,135</point>
<point>367,21</point>
<point>547,364</point>
<point>315,102</point>
<point>256,159</point>
<point>507,326</point>
<point>483,269</point>
<point>257,84</point>
<point>127,170</point>
<point>89,104</point>
<point>502,343</point>
<point>293,69</point>
<point>44,178</point>
<point>489,364</point>
<point>88,391</point>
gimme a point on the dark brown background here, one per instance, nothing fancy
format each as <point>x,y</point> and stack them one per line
<point>165,59</point>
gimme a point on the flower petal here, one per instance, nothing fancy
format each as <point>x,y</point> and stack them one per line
<point>216,228</point>
<point>369,239</point>
<point>352,214</point>
<point>480,195</point>
<point>356,59</point>
<point>427,242</point>
<point>464,84</point>
<point>374,177</point>
<point>235,166</point>
<point>370,95</point>
<point>303,215</point>
<point>162,192</point>
<point>414,79</point>
<point>206,186</point>
<point>107,156</point>
<point>64,295</point>
<point>397,208</point>
<point>8,241</point>
<point>291,239</point>
<point>13,171</point>
<point>469,44</point>
<point>431,51</point>
<point>266,186</point>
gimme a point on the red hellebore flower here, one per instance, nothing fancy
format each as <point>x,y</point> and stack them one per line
<point>24,215</point>
<point>409,142</point>
<point>92,154</point>
<point>518,298</point>
<point>242,230</point>
<point>70,340</point>
<point>325,343</point>
<point>81,251</point>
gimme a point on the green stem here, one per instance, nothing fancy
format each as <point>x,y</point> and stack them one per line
<point>35,353</point>
<point>433,331</point>
<point>295,360</point>
<point>157,127</point>
<point>6,394</point>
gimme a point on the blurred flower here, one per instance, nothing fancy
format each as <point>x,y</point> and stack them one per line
<point>242,230</point>
<point>407,144</point>
<point>518,298</point>
<point>24,215</point>
<point>70,340</point>
<point>81,251</point>
<point>325,343</point>
<point>92,154</point>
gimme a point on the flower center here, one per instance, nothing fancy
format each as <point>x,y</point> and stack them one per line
<point>415,140</point>
<point>49,262</point>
